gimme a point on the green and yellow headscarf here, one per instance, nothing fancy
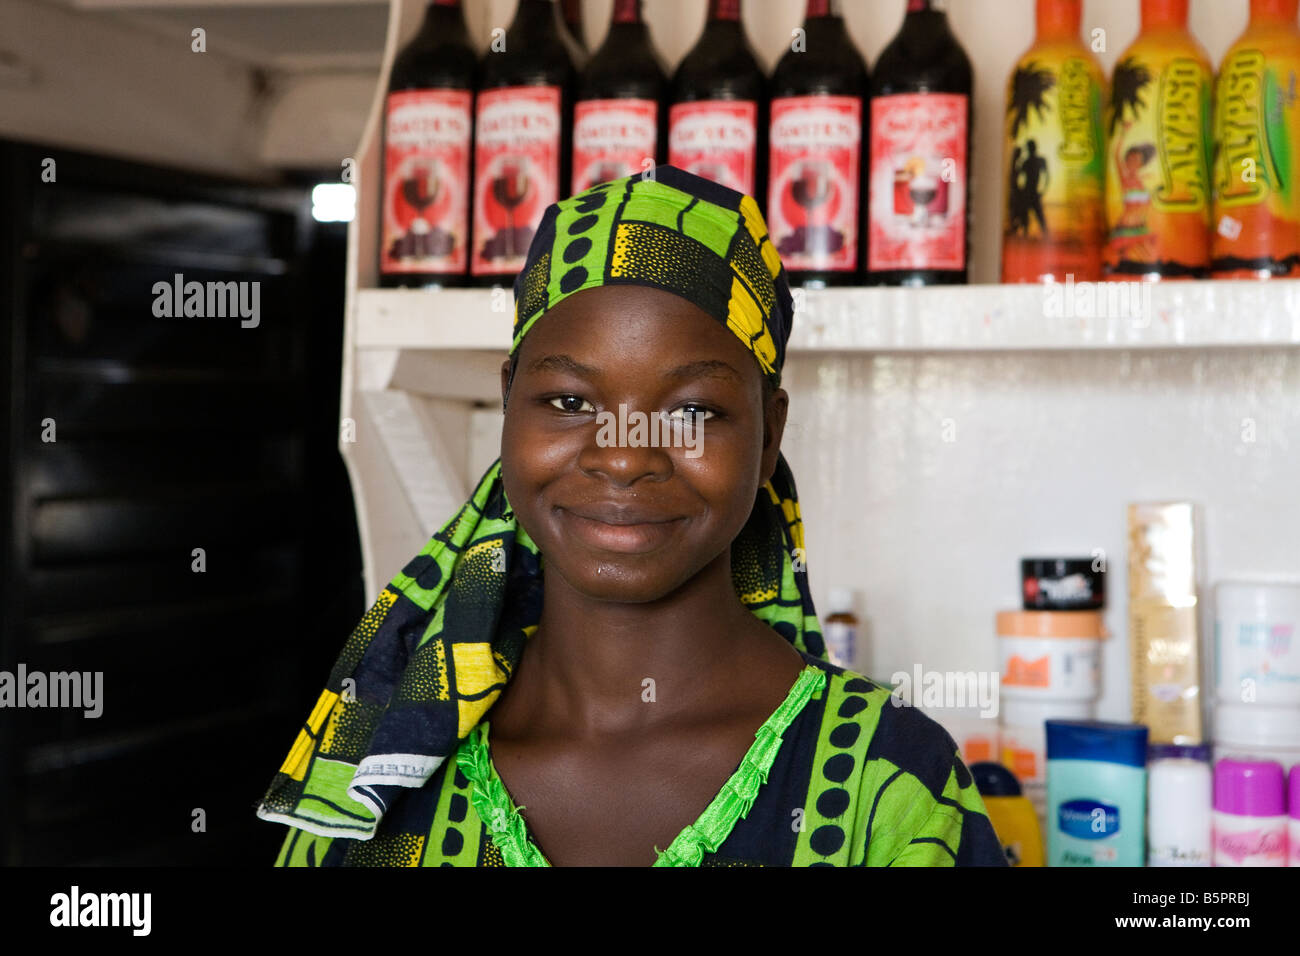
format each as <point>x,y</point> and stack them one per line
<point>429,658</point>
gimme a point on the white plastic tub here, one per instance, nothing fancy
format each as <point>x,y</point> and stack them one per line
<point>1050,655</point>
<point>1257,643</point>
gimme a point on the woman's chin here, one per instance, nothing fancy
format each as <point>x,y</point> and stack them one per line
<point>626,582</point>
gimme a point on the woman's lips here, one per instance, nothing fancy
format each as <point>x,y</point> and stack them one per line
<point>625,533</point>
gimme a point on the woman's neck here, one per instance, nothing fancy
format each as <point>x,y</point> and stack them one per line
<point>596,667</point>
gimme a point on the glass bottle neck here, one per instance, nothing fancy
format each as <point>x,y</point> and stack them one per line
<point>1058,18</point>
<point>536,15</point>
<point>822,8</point>
<point>727,11</point>
<point>1164,14</point>
<point>440,16</point>
<point>626,11</point>
<point>1274,10</point>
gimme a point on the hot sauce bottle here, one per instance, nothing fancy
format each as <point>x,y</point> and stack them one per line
<point>1054,221</point>
<point>1256,141</point>
<point>1157,156</point>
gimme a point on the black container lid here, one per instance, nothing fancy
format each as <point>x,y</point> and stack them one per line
<point>994,780</point>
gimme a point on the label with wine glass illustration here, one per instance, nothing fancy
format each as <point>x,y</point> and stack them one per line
<point>716,139</point>
<point>516,172</point>
<point>812,208</point>
<point>612,139</point>
<point>426,181</point>
<point>917,182</point>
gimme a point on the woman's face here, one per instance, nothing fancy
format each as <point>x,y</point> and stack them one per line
<point>623,521</point>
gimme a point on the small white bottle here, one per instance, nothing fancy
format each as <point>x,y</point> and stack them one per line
<point>1180,814</point>
<point>1250,818</point>
<point>841,630</point>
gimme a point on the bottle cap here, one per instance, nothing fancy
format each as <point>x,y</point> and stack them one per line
<point>841,601</point>
<point>1058,16</point>
<point>1255,725</point>
<point>1295,792</point>
<point>1249,788</point>
<point>994,780</point>
<point>1164,13</point>
<point>1199,752</point>
<point>1097,740</point>
<point>1061,584</point>
<point>1050,624</point>
<point>1273,10</point>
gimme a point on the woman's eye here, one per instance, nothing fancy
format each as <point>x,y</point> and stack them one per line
<point>697,413</point>
<point>567,403</point>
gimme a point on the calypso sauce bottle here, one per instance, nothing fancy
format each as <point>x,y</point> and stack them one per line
<point>1054,218</point>
<point>1158,191</point>
<point>1256,141</point>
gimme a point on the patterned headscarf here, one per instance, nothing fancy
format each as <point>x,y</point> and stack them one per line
<point>434,652</point>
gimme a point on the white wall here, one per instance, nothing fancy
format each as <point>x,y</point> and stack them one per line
<point>1049,449</point>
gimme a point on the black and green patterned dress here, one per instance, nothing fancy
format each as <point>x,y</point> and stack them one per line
<point>837,776</point>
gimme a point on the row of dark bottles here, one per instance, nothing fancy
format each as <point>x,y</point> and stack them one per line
<point>862,175</point>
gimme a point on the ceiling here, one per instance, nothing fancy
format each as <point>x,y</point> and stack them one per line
<point>294,36</point>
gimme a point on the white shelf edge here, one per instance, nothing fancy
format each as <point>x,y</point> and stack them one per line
<point>1130,315</point>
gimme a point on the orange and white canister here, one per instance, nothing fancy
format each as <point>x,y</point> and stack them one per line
<point>1050,654</point>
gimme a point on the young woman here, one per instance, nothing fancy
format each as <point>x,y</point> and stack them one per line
<point>610,656</point>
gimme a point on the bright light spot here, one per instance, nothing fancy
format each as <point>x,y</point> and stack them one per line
<point>333,202</point>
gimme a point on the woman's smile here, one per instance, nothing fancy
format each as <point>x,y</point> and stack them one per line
<point>611,528</point>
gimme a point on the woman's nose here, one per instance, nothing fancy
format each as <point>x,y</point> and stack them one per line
<point>626,446</point>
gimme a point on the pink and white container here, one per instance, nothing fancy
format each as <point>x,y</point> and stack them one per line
<point>1250,819</point>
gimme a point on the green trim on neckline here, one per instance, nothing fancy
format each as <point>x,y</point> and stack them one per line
<point>509,832</point>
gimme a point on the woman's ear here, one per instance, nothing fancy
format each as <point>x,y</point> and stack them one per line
<point>505,382</point>
<point>773,428</point>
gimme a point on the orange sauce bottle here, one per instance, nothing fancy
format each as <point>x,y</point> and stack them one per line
<point>1158,192</point>
<point>1054,221</point>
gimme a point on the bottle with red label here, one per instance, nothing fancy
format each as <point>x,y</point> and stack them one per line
<point>618,121</point>
<point>427,134</point>
<point>522,133</point>
<point>918,204</point>
<point>815,184</point>
<point>717,126</point>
